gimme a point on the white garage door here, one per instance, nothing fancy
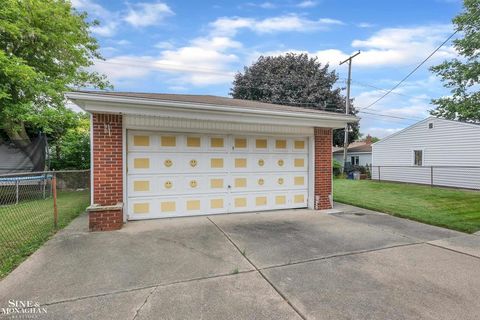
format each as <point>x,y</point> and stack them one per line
<point>183,174</point>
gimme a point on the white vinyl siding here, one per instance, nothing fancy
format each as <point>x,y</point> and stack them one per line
<point>447,143</point>
<point>364,158</point>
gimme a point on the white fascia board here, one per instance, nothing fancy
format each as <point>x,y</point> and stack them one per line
<point>184,110</point>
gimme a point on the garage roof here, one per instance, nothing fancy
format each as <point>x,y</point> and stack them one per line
<point>209,100</point>
<point>137,103</point>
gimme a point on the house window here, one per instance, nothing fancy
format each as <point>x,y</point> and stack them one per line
<point>355,160</point>
<point>417,157</point>
<point>430,125</point>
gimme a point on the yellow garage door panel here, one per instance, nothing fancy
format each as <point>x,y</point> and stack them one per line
<point>193,142</point>
<point>240,143</point>
<point>281,144</point>
<point>193,205</point>
<point>216,203</point>
<point>168,141</point>
<point>240,163</point>
<point>216,142</point>
<point>216,183</point>
<point>240,202</point>
<point>141,141</point>
<point>141,208</point>
<point>216,163</point>
<point>299,144</point>
<point>141,163</point>
<point>261,143</point>
<point>141,185</point>
<point>168,206</point>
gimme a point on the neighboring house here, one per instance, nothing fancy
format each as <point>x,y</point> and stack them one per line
<point>433,151</point>
<point>359,153</point>
<point>169,155</point>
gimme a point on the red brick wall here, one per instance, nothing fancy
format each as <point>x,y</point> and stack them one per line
<point>107,159</point>
<point>106,220</point>
<point>323,167</point>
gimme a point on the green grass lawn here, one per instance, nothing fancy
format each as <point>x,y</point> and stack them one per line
<point>26,226</point>
<point>450,208</point>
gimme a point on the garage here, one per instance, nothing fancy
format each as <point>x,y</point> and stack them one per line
<point>173,155</point>
<point>184,174</point>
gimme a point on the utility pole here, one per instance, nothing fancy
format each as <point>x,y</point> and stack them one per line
<point>347,106</point>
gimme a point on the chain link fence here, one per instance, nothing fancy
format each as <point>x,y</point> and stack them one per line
<point>465,177</point>
<point>33,206</point>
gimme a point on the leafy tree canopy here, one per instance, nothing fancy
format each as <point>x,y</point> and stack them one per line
<point>45,49</point>
<point>462,76</point>
<point>72,149</point>
<point>293,79</point>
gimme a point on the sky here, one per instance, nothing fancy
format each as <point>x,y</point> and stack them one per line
<point>196,47</point>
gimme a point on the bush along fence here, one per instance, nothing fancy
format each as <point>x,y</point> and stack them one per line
<point>466,177</point>
<point>33,206</point>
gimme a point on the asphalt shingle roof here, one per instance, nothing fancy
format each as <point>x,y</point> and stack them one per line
<point>212,100</point>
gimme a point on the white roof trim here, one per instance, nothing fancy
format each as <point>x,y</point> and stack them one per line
<point>187,110</point>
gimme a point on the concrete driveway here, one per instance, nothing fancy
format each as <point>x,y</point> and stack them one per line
<point>346,263</point>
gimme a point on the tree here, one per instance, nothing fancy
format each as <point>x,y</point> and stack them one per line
<point>293,79</point>
<point>45,49</point>
<point>462,76</point>
<point>72,149</point>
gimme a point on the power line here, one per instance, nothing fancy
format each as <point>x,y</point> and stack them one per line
<point>168,67</point>
<point>363,84</point>
<point>390,116</point>
<point>402,121</point>
<point>414,70</point>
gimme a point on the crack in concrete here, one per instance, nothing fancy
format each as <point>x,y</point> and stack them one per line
<point>345,254</point>
<point>154,286</point>
<point>450,249</point>
<point>298,312</point>
<point>144,302</point>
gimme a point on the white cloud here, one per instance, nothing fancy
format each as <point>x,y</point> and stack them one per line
<point>204,61</point>
<point>285,23</point>
<point>365,25</point>
<point>263,5</point>
<point>148,14</point>
<point>392,47</point>
<point>123,42</point>
<point>105,29</point>
<point>164,45</point>
<point>397,46</point>
<point>108,25</point>
<point>381,132</point>
<point>307,4</point>
<point>125,67</point>
<point>91,7</point>
<point>267,5</point>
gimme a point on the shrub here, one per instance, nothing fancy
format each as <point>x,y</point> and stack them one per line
<point>336,167</point>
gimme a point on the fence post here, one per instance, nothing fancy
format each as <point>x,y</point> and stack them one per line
<point>55,209</point>
<point>378,173</point>
<point>16,193</point>
<point>44,182</point>
<point>431,175</point>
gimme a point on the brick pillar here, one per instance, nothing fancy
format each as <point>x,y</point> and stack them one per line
<point>323,168</point>
<point>106,212</point>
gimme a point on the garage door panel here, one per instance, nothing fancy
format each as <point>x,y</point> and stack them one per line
<point>183,174</point>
